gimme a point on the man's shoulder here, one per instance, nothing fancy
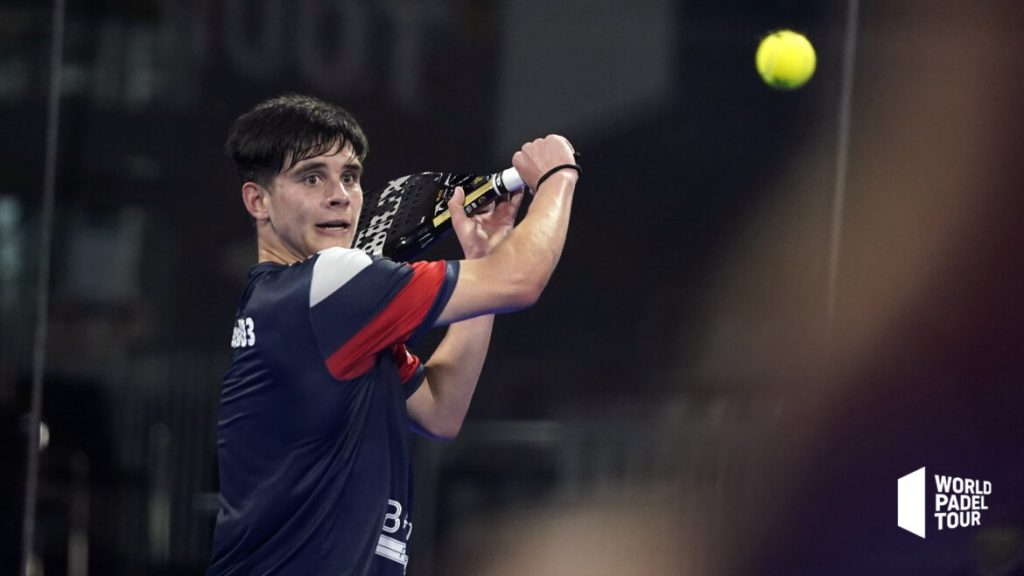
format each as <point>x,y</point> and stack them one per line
<point>339,254</point>
<point>333,268</point>
<point>271,284</point>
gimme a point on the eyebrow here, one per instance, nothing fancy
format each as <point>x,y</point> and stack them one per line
<point>307,165</point>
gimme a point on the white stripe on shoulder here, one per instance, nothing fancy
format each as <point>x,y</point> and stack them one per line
<point>333,268</point>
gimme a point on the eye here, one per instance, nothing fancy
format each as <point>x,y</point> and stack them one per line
<point>349,178</point>
<point>313,179</point>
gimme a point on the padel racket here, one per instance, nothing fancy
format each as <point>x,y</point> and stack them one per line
<point>410,213</point>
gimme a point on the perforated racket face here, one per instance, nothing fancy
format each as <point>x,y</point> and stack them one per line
<point>410,213</point>
<point>396,209</point>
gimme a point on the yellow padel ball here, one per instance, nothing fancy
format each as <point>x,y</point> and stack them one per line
<point>785,59</point>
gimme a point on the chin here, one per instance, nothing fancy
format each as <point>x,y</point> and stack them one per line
<point>339,243</point>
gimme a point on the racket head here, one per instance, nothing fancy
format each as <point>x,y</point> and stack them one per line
<point>409,214</point>
<point>395,210</point>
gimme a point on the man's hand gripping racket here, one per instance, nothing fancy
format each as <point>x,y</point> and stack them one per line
<point>411,213</point>
<point>487,227</point>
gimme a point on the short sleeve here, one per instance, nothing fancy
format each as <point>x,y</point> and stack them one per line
<point>360,305</point>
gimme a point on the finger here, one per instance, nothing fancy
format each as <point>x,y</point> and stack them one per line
<point>526,167</point>
<point>563,140</point>
<point>505,214</point>
<point>457,208</point>
<point>505,209</point>
<point>516,201</point>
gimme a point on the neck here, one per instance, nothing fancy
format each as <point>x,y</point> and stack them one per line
<point>270,249</point>
<point>267,255</point>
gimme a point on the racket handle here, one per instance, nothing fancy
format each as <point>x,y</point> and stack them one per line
<point>483,191</point>
<point>509,180</point>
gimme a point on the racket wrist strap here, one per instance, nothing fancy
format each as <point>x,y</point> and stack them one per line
<point>559,168</point>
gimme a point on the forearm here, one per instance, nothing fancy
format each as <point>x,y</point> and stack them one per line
<point>452,374</point>
<point>514,274</point>
<point>535,246</point>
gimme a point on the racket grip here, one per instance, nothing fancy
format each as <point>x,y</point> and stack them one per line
<point>509,180</point>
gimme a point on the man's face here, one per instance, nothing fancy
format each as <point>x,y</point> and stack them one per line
<point>315,203</point>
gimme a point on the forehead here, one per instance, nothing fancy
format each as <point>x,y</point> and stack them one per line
<point>338,156</point>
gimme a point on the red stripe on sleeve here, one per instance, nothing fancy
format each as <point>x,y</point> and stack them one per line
<point>393,325</point>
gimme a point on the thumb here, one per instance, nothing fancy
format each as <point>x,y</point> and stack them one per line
<point>457,207</point>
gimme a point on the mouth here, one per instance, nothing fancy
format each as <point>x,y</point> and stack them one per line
<point>335,226</point>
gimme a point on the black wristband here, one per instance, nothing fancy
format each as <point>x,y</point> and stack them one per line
<point>558,168</point>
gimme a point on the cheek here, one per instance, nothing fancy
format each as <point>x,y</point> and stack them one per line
<point>357,202</point>
<point>289,213</point>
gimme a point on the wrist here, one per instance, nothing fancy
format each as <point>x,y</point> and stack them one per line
<point>562,171</point>
<point>564,175</point>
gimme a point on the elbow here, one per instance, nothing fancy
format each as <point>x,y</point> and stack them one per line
<point>443,431</point>
<point>526,291</point>
<point>526,296</point>
<point>437,426</point>
<point>448,434</point>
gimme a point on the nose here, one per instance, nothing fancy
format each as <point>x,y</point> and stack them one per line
<point>338,195</point>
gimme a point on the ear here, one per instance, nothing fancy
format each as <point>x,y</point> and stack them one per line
<point>254,197</point>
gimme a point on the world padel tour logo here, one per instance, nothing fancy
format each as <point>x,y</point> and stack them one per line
<point>957,503</point>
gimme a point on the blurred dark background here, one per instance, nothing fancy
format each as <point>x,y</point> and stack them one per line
<point>685,347</point>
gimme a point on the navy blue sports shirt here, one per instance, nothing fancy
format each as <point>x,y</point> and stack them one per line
<point>315,473</point>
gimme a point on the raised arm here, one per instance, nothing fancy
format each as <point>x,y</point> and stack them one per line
<point>440,404</point>
<point>504,269</point>
<point>515,273</point>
